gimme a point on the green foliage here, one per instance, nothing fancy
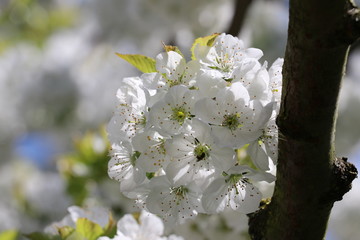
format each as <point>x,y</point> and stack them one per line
<point>84,230</point>
<point>143,63</point>
<point>111,230</point>
<point>86,166</point>
<point>88,229</point>
<point>31,20</point>
<point>42,236</point>
<point>75,236</point>
<point>65,232</point>
<point>9,235</point>
<point>148,65</point>
<point>77,188</point>
<point>150,175</point>
<point>203,41</point>
<point>169,48</point>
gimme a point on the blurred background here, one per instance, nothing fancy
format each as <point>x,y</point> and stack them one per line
<point>58,79</point>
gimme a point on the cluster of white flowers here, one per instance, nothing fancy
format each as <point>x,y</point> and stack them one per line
<point>178,132</point>
<point>146,226</point>
<point>95,214</point>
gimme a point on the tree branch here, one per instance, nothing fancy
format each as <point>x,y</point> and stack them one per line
<point>353,22</point>
<point>310,178</point>
<point>241,7</point>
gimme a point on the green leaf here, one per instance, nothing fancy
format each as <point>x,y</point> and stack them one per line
<point>93,161</point>
<point>111,228</point>
<point>110,232</point>
<point>76,188</point>
<point>41,236</point>
<point>9,235</point>
<point>75,236</point>
<point>169,48</point>
<point>65,231</point>
<point>203,41</point>
<point>143,63</point>
<point>150,175</point>
<point>88,229</point>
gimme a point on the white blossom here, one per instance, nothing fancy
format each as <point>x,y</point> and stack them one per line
<point>147,226</point>
<point>153,152</point>
<point>172,70</point>
<point>171,115</point>
<point>233,118</point>
<point>197,148</point>
<point>131,112</point>
<point>275,81</point>
<point>265,147</point>
<point>226,54</point>
<point>123,165</point>
<point>234,190</point>
<point>176,132</point>
<point>96,214</point>
<point>173,201</point>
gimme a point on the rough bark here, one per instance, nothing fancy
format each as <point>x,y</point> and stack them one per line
<point>310,178</point>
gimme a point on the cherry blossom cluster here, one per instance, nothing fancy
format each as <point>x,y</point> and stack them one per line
<point>179,133</point>
<point>144,226</point>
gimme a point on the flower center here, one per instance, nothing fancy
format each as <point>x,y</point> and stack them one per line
<point>174,81</point>
<point>138,121</point>
<point>179,114</point>
<point>232,121</point>
<point>142,121</point>
<point>224,64</point>
<point>237,180</point>
<point>234,178</point>
<point>180,193</point>
<point>161,146</point>
<point>201,152</point>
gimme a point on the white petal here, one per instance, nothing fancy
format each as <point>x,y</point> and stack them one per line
<point>210,82</point>
<point>119,166</point>
<point>254,53</point>
<point>177,172</point>
<point>181,147</point>
<point>175,94</point>
<point>258,155</point>
<point>258,88</point>
<point>223,158</point>
<point>225,138</point>
<point>236,92</point>
<point>246,199</point>
<point>168,62</point>
<point>214,197</point>
<point>207,110</point>
<point>95,214</point>
<point>251,174</point>
<point>153,81</point>
<point>151,225</point>
<point>263,113</point>
<point>128,226</point>
<point>201,52</point>
<point>240,92</point>
<point>201,131</point>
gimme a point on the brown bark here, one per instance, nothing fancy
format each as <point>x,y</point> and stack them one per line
<point>241,8</point>
<point>310,178</point>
